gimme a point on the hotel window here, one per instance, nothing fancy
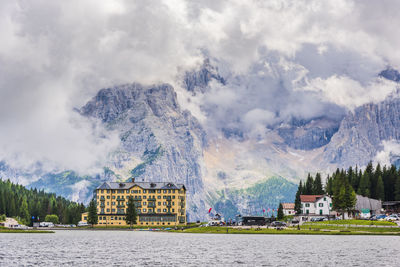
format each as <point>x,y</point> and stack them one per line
<point>113,203</point>
<point>173,203</point>
<point>169,190</point>
<point>159,191</point>
<point>159,197</point>
<point>173,197</point>
<point>112,210</point>
<point>144,210</point>
<point>144,203</point>
<point>164,203</point>
<point>127,191</point>
<point>164,191</point>
<point>113,191</point>
<point>307,205</point>
<point>324,198</point>
<point>144,197</point>
<point>116,217</point>
<point>321,204</point>
<point>158,210</point>
<point>164,210</point>
<point>108,210</point>
<point>108,203</point>
<point>108,197</point>
<point>173,210</point>
<point>144,191</point>
<point>159,203</point>
<point>113,197</point>
<point>101,191</point>
<point>108,191</point>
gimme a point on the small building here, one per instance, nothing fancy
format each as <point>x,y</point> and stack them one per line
<point>366,207</point>
<point>288,209</point>
<point>316,204</point>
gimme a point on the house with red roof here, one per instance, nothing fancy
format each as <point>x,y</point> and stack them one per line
<point>316,205</point>
<point>288,209</point>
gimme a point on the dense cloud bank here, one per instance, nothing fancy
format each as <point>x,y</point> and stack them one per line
<point>281,59</point>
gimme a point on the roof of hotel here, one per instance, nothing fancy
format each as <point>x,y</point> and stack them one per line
<point>309,198</point>
<point>143,185</point>
<point>288,206</point>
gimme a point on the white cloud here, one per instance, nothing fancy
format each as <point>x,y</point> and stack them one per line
<point>391,148</point>
<point>55,55</point>
<point>350,93</point>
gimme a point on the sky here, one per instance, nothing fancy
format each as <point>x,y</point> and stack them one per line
<point>283,59</point>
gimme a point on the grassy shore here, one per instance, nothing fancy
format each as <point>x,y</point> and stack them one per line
<point>20,231</point>
<point>356,222</point>
<point>289,231</point>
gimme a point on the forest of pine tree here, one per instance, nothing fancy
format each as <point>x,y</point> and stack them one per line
<point>381,183</point>
<point>18,201</point>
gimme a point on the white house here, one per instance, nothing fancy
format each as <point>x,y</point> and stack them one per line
<point>288,209</point>
<point>316,204</point>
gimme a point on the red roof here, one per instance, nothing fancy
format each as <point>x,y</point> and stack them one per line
<point>288,206</point>
<point>309,198</point>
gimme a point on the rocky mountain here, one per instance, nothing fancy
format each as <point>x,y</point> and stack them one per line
<point>230,171</point>
<point>362,132</point>
<point>159,141</point>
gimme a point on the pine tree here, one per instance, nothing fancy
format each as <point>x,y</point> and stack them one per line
<point>397,189</point>
<point>92,216</point>
<point>280,212</point>
<point>23,211</point>
<point>329,186</point>
<point>309,185</point>
<point>317,188</point>
<point>380,193</point>
<point>131,214</point>
<point>297,201</point>
<point>364,186</point>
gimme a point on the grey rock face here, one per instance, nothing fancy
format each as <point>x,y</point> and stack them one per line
<point>390,74</point>
<point>199,80</point>
<point>307,135</point>
<point>361,133</point>
<point>165,141</point>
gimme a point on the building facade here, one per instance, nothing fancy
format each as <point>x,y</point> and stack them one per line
<point>288,209</point>
<point>160,203</point>
<point>316,204</point>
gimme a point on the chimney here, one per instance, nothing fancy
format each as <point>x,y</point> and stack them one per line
<point>133,179</point>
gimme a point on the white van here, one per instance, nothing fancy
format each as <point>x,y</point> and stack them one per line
<point>46,224</point>
<point>82,224</point>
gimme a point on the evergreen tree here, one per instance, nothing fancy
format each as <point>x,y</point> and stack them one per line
<point>297,201</point>
<point>379,191</point>
<point>364,186</point>
<point>397,189</point>
<point>317,188</point>
<point>329,186</point>
<point>131,214</point>
<point>23,212</point>
<point>309,185</point>
<point>92,215</point>
<point>280,212</point>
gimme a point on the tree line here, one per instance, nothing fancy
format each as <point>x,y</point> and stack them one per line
<point>378,182</point>
<point>18,201</point>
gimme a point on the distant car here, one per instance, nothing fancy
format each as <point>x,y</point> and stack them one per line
<point>392,217</point>
<point>380,217</point>
<point>82,224</point>
<point>318,219</point>
<point>278,224</point>
<point>72,225</point>
<point>46,224</point>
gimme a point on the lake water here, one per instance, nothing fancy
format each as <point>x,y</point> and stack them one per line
<point>126,248</point>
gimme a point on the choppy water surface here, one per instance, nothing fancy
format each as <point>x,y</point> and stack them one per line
<point>122,248</point>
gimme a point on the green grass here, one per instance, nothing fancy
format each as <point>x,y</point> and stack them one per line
<point>2,230</point>
<point>289,231</point>
<point>359,229</point>
<point>356,222</point>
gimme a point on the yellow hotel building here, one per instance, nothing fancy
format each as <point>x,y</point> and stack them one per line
<point>160,203</point>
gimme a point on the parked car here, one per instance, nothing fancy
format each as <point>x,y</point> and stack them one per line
<point>278,224</point>
<point>318,219</point>
<point>392,217</point>
<point>380,217</point>
<point>83,224</point>
<point>46,224</point>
